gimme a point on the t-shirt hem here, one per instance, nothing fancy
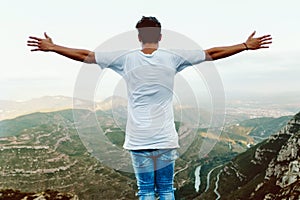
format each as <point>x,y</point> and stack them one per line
<point>151,147</point>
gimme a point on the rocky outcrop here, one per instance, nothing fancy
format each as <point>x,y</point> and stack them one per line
<point>270,170</point>
<point>10,194</point>
<point>283,172</point>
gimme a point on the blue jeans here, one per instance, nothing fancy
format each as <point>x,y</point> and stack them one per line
<point>154,171</point>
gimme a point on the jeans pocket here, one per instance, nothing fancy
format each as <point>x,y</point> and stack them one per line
<point>169,155</point>
<point>140,161</point>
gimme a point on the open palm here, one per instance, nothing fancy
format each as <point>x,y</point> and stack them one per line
<point>40,44</point>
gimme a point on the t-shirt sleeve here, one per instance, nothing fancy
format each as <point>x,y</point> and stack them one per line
<point>186,58</point>
<point>111,60</point>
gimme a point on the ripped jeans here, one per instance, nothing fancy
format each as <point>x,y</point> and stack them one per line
<point>154,171</point>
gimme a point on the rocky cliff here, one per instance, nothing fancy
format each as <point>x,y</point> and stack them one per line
<point>269,170</point>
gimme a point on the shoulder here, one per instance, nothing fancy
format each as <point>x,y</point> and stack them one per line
<point>109,57</point>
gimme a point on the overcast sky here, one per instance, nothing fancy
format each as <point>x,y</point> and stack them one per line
<point>87,24</point>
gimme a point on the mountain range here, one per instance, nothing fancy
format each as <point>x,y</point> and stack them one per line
<point>43,151</point>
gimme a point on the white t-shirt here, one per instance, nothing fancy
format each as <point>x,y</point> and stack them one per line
<point>150,81</point>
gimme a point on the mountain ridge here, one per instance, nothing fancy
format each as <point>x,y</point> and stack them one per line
<point>268,170</point>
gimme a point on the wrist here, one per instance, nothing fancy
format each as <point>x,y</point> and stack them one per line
<point>52,47</point>
<point>246,46</point>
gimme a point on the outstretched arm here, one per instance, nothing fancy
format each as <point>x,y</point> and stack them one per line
<point>47,44</point>
<point>250,44</point>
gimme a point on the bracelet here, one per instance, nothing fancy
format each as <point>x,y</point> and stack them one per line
<point>245,46</point>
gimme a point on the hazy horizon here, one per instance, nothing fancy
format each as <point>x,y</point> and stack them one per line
<point>230,96</point>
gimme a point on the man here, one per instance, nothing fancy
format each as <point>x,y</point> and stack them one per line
<point>149,73</point>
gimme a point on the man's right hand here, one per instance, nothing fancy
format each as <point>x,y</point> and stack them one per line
<point>41,44</point>
<point>47,44</point>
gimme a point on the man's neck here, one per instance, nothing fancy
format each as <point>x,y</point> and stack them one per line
<point>149,48</point>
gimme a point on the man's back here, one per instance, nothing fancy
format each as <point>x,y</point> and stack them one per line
<point>150,81</point>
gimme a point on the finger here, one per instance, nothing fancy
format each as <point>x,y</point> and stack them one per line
<point>33,45</point>
<point>265,36</point>
<point>35,38</point>
<point>38,49</point>
<point>252,34</point>
<point>33,41</point>
<point>265,39</point>
<point>264,43</point>
<point>46,36</point>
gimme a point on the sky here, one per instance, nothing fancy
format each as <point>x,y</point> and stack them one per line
<point>88,24</point>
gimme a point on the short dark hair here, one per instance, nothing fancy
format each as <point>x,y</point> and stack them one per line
<point>149,29</point>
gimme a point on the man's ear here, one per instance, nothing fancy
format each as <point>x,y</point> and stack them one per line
<point>160,37</point>
<point>139,38</point>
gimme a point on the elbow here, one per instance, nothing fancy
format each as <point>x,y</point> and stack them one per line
<point>210,54</point>
<point>210,57</point>
<point>89,58</point>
